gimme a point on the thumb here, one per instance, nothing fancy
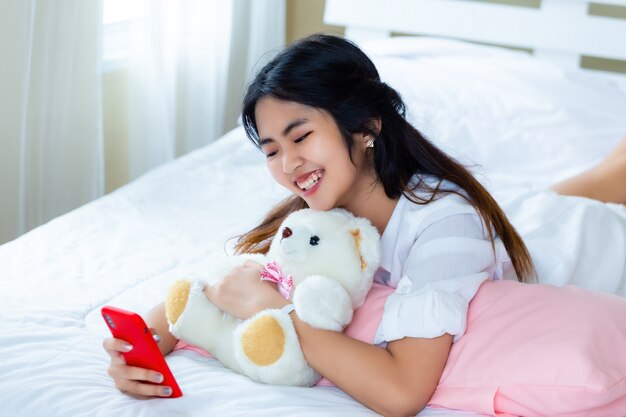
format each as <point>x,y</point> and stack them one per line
<point>155,335</point>
<point>209,292</point>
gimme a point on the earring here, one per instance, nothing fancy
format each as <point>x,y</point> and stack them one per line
<point>369,144</point>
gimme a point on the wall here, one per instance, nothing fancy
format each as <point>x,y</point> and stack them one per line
<point>305,17</point>
<point>115,115</point>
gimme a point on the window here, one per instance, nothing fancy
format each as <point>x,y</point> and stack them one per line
<point>116,18</point>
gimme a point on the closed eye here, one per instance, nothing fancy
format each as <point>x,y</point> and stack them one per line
<point>301,138</point>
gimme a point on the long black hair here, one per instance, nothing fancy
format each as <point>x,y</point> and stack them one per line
<point>332,74</point>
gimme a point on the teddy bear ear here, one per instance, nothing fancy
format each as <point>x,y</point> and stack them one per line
<point>367,243</point>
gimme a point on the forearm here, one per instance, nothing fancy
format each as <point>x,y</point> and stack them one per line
<point>386,382</point>
<point>156,320</point>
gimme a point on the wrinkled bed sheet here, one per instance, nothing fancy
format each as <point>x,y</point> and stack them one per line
<point>124,250</point>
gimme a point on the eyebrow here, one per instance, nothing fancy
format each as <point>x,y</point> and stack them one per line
<point>286,130</point>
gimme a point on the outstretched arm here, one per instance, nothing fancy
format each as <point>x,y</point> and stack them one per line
<point>157,322</point>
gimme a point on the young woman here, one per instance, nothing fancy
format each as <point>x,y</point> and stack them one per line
<point>336,136</point>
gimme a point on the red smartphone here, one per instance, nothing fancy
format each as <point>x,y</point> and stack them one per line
<point>131,328</point>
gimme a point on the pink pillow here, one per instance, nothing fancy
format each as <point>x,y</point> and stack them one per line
<point>538,350</point>
<point>529,350</point>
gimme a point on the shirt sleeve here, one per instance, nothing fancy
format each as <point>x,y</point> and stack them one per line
<point>441,274</point>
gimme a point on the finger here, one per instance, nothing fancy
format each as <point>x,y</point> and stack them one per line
<point>235,271</point>
<point>139,397</point>
<point>271,284</point>
<point>116,345</point>
<point>155,335</point>
<point>143,390</point>
<point>117,359</point>
<point>209,292</point>
<point>134,373</point>
<point>252,264</point>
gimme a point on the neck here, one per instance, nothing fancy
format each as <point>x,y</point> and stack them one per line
<point>371,202</point>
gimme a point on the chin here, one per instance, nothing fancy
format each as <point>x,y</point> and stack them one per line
<point>320,206</point>
<point>317,201</point>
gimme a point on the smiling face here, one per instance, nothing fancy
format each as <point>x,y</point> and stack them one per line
<point>307,155</point>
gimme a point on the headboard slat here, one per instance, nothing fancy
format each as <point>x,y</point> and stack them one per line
<point>561,26</point>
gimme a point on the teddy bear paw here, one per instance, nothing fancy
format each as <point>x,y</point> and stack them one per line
<point>176,300</point>
<point>268,350</point>
<point>323,303</point>
<point>263,341</point>
<point>192,317</point>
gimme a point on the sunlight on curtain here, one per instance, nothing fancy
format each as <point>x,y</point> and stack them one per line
<point>188,66</point>
<point>51,153</point>
<point>188,63</point>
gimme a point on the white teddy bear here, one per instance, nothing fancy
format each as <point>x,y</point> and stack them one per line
<point>330,257</point>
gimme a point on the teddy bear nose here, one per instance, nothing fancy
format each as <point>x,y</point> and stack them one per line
<point>287,232</point>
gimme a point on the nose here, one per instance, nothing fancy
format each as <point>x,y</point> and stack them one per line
<point>291,161</point>
<point>287,232</point>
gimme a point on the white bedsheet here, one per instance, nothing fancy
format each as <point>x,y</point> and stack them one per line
<point>126,248</point>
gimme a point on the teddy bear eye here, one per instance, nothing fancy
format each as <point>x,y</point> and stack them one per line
<point>314,240</point>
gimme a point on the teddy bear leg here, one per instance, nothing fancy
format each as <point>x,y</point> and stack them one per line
<point>267,349</point>
<point>193,318</point>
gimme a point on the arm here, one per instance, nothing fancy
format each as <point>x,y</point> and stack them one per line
<point>398,380</point>
<point>132,380</point>
<point>155,319</point>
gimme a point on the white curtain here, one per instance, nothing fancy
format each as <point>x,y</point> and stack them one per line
<point>189,63</point>
<point>51,151</point>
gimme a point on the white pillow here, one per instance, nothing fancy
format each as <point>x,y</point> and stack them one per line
<point>526,122</point>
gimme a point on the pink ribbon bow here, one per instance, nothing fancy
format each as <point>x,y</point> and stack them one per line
<point>272,273</point>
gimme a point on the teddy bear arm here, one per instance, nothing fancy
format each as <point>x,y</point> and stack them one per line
<point>323,303</point>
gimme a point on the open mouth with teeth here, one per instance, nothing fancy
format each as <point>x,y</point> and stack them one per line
<point>306,183</point>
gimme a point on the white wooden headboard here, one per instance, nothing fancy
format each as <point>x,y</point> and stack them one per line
<point>559,30</point>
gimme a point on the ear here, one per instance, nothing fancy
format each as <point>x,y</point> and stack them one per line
<point>356,235</point>
<point>375,124</point>
<point>367,243</point>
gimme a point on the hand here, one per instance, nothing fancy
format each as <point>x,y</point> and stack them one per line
<point>132,380</point>
<point>242,294</point>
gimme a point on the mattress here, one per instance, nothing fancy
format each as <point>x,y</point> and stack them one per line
<point>127,247</point>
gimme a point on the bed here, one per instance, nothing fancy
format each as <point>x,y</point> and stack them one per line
<point>520,121</point>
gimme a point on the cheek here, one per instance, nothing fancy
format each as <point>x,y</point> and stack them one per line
<point>277,173</point>
<point>344,165</point>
